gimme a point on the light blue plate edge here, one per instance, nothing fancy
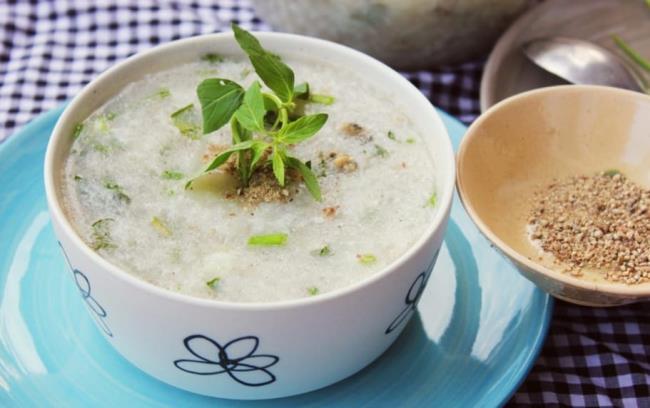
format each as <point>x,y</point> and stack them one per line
<point>456,131</point>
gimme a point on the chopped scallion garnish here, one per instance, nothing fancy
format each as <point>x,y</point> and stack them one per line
<point>101,234</point>
<point>186,121</point>
<point>160,226</point>
<point>380,151</point>
<point>367,259</point>
<point>213,283</point>
<point>172,175</point>
<point>268,240</point>
<point>433,200</point>
<point>212,58</point>
<point>77,130</point>
<point>321,99</point>
<point>119,192</point>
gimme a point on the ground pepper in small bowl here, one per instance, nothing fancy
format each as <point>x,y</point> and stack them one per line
<point>599,222</point>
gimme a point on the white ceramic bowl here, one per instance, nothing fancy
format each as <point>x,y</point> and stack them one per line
<point>253,350</point>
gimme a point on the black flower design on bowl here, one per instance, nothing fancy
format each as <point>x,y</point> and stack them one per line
<point>83,284</point>
<point>412,297</point>
<point>236,358</point>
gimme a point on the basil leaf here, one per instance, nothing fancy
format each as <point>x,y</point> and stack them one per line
<point>303,128</point>
<point>220,98</point>
<point>247,41</point>
<point>278,166</point>
<point>307,175</point>
<point>251,113</point>
<point>223,156</point>
<point>258,148</point>
<point>269,67</point>
<point>239,134</point>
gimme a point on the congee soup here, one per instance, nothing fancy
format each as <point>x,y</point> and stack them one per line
<point>250,179</point>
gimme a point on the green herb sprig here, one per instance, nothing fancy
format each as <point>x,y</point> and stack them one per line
<point>263,124</point>
<point>631,53</point>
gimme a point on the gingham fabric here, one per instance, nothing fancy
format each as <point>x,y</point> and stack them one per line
<point>49,50</point>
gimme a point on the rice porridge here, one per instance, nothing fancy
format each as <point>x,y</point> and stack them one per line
<point>124,189</point>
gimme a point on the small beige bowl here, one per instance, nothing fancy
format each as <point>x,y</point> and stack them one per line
<point>525,142</point>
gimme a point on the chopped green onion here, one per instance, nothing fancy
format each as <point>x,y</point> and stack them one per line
<point>391,135</point>
<point>367,259</point>
<point>78,177</point>
<point>160,226</point>
<point>268,240</point>
<point>380,151</point>
<point>102,122</point>
<point>433,200</point>
<point>313,291</point>
<point>172,175</point>
<point>611,172</point>
<point>185,121</point>
<point>101,235</point>
<point>410,140</point>
<point>321,99</point>
<point>212,58</point>
<point>101,148</point>
<point>163,93</point>
<point>77,130</point>
<point>212,283</point>
<point>324,251</point>
<point>119,192</point>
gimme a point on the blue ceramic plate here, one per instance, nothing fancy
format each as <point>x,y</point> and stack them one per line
<point>471,346</point>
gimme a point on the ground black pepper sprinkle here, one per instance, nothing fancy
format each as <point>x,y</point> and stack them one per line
<point>600,222</point>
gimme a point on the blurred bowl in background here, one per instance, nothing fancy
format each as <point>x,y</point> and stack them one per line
<point>406,34</point>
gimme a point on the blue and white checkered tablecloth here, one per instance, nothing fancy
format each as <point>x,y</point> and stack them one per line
<point>50,49</point>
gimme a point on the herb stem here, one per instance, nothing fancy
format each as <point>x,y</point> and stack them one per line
<point>275,124</point>
<point>284,116</point>
<point>274,99</point>
<point>631,53</point>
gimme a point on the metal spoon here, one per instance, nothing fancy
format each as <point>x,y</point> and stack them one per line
<point>582,62</point>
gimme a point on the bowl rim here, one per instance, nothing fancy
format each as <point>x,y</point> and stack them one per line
<point>445,175</point>
<point>615,288</point>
